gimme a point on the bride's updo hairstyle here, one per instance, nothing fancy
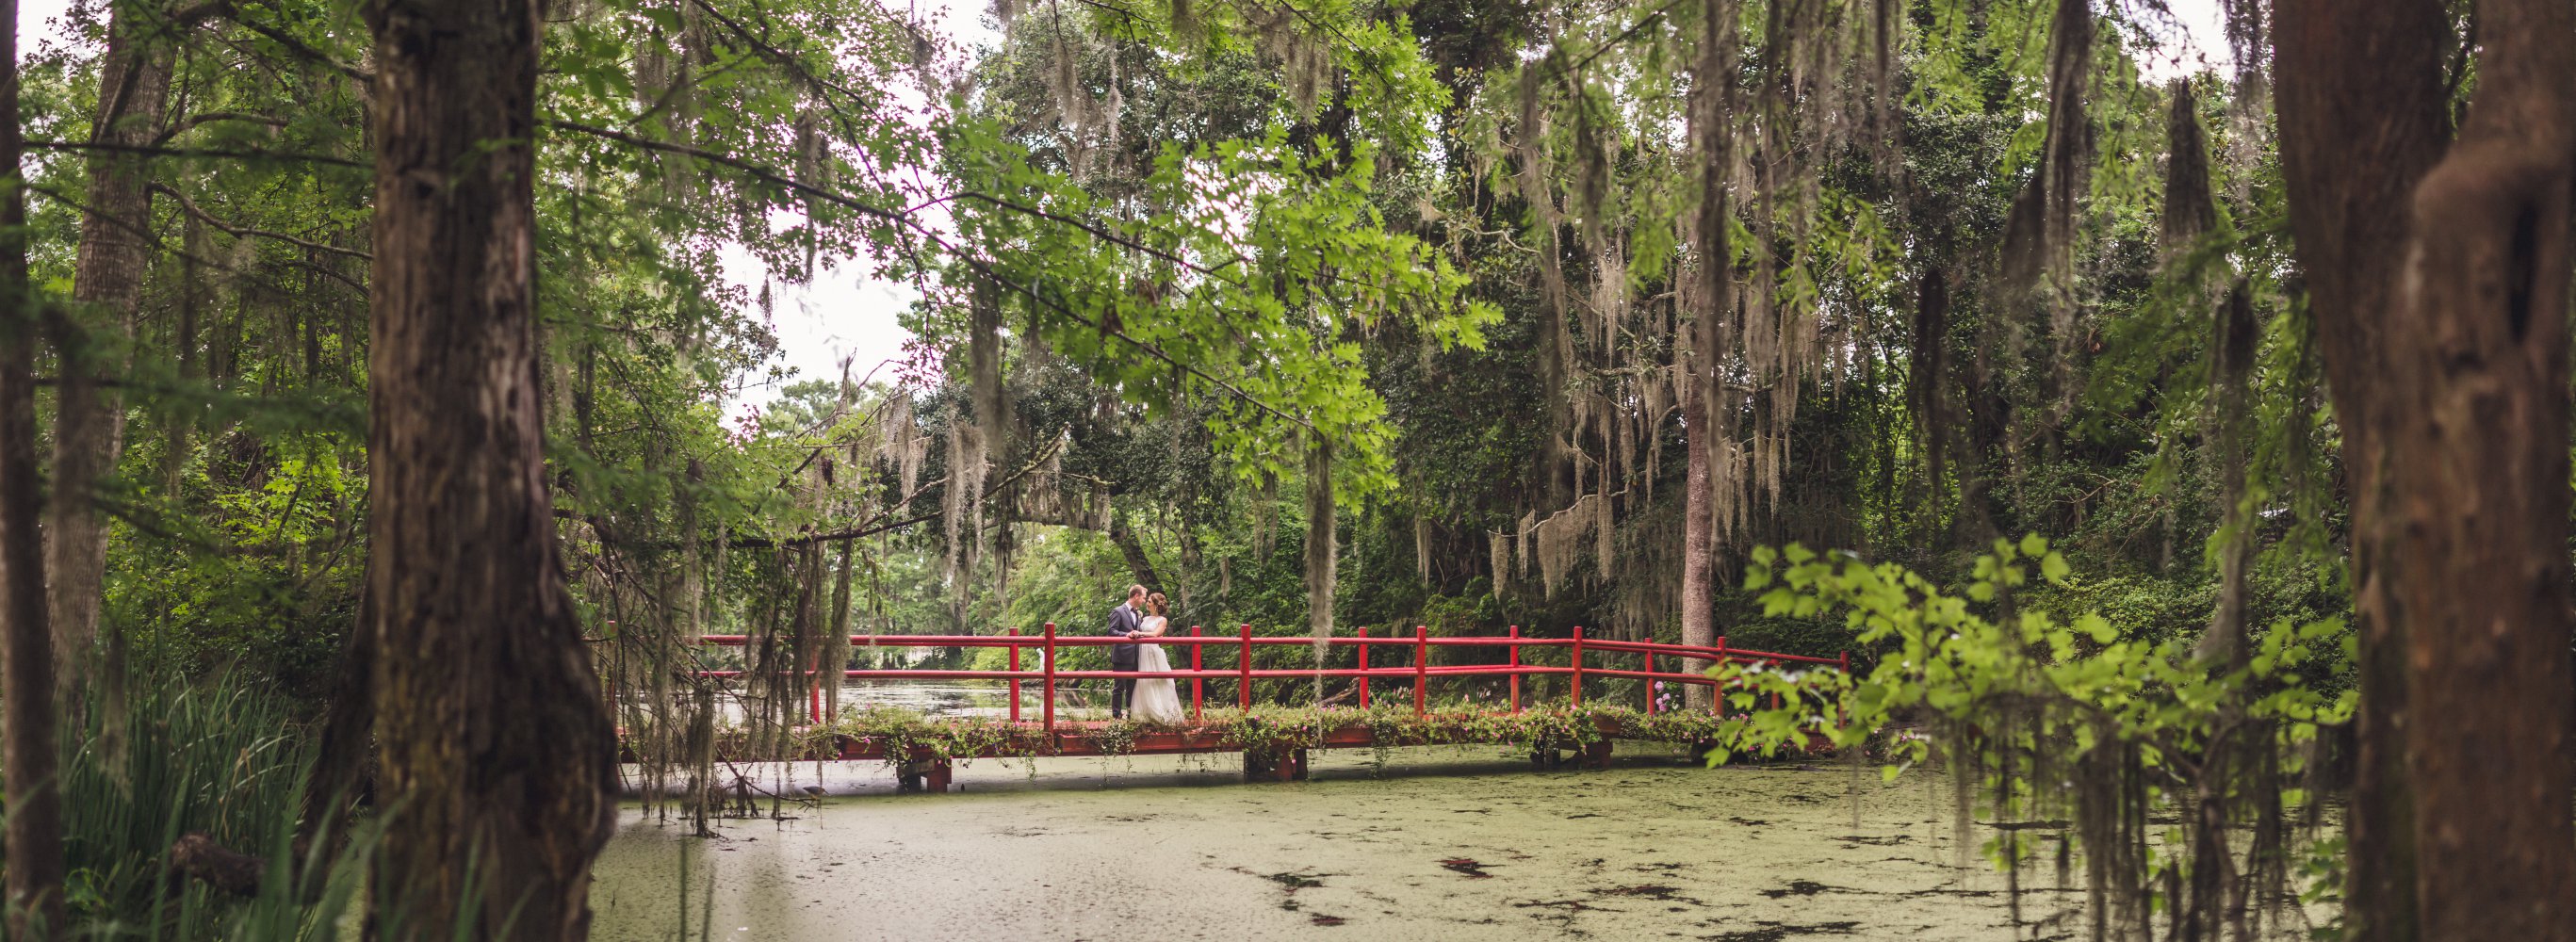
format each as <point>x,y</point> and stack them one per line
<point>1159,605</point>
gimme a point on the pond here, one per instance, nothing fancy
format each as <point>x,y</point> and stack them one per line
<point>1425,843</point>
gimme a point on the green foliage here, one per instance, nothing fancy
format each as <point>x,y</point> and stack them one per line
<point>1242,289</point>
<point>1977,659</point>
<point>1219,235</point>
<point>220,755</point>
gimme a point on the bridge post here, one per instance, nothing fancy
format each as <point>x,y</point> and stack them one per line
<point>1421,668</point>
<point>1015,681</point>
<point>1363,662</point>
<point>1243,669</point>
<point>1516,668</point>
<point>1842,662</point>
<point>1650,683</point>
<point>1717,694</point>
<point>1198,685</point>
<point>1578,666</point>
<point>1047,663</point>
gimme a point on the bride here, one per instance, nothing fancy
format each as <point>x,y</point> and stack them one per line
<point>1157,699</point>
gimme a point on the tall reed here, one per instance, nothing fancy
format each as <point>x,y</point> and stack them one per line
<point>221,755</point>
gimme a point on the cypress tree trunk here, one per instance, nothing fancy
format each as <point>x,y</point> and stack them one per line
<point>2361,115</point>
<point>836,644</point>
<point>493,741</point>
<point>2440,289</point>
<point>1927,380</point>
<point>1712,141</point>
<point>1699,584</point>
<point>107,288</point>
<point>2232,358</point>
<point>1322,545</point>
<point>1132,549</point>
<point>2479,468</point>
<point>34,841</point>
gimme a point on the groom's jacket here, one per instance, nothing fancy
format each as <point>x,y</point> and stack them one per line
<point>1123,622</point>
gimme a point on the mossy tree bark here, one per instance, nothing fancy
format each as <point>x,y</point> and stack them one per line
<point>107,290</point>
<point>2439,277</point>
<point>1712,142</point>
<point>33,907</point>
<point>493,743</point>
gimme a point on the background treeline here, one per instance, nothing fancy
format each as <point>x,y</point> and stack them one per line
<point>395,391</point>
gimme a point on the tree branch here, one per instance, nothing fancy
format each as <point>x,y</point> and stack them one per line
<point>195,120</point>
<point>213,153</point>
<point>903,219</point>
<point>239,231</point>
<point>763,174</point>
<point>762,542</point>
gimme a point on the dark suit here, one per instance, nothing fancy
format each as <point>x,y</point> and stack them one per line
<point>1123,621</point>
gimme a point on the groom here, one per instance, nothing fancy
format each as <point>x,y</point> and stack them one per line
<point>1123,622</point>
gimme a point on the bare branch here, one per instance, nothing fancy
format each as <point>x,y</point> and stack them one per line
<point>213,153</point>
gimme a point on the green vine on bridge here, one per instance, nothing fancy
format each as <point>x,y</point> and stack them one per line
<point>897,733</point>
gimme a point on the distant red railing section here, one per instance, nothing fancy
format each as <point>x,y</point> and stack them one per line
<point>1243,673</point>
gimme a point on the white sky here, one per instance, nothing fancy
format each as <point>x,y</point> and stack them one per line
<point>844,313</point>
<point>2203,47</point>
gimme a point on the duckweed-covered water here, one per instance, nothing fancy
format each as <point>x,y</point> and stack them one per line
<point>1444,844</point>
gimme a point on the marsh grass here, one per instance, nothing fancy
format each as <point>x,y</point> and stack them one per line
<point>221,755</point>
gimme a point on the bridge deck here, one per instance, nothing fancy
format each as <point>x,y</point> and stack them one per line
<point>924,765</point>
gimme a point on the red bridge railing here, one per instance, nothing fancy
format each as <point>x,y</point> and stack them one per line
<point>1421,671</point>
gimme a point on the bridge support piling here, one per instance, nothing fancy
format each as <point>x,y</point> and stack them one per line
<point>1278,764</point>
<point>923,773</point>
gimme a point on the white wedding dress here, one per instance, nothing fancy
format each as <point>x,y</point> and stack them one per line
<point>1157,700</point>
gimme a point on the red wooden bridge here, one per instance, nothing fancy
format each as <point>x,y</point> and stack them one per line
<point>1523,657</point>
